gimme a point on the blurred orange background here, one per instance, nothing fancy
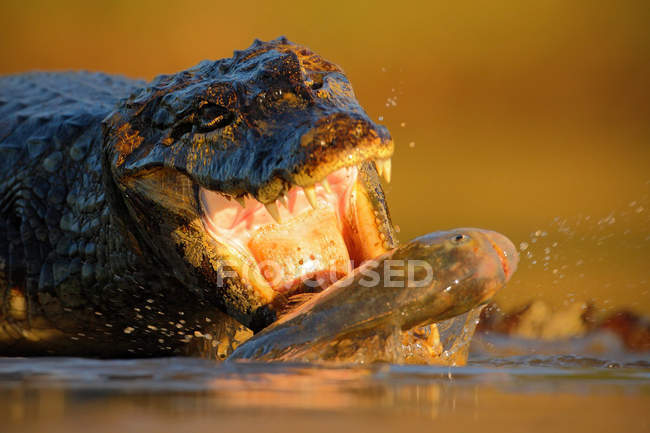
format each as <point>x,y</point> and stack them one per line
<point>530,118</point>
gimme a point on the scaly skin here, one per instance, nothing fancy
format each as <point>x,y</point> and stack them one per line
<point>102,251</point>
<point>60,244</point>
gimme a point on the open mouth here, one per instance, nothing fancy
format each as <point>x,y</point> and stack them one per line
<point>507,253</point>
<point>310,237</point>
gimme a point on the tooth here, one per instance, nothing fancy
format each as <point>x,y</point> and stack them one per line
<point>283,201</point>
<point>387,166</point>
<point>241,201</point>
<point>272,208</point>
<point>327,186</point>
<point>310,193</point>
<point>379,163</point>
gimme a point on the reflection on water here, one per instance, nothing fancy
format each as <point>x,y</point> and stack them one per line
<point>533,392</point>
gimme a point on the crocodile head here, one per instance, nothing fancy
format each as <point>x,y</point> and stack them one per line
<point>249,178</point>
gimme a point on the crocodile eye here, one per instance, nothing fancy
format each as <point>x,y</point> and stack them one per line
<point>459,239</point>
<point>212,116</point>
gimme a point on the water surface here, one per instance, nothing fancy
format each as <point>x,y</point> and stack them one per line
<point>517,393</point>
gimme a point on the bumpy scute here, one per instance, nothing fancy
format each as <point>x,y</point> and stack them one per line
<point>272,116</point>
<point>102,251</point>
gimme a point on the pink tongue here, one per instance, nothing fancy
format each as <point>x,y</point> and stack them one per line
<point>308,247</point>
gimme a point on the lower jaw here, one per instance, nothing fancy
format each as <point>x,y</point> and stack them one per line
<point>309,251</point>
<point>304,254</point>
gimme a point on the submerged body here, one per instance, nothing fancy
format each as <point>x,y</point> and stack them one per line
<point>137,219</point>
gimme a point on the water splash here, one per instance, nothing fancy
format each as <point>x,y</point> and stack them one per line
<point>591,257</point>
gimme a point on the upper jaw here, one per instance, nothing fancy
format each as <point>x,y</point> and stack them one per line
<point>304,160</point>
<point>263,159</point>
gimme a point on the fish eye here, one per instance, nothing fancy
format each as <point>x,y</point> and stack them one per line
<point>213,116</point>
<point>459,239</point>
